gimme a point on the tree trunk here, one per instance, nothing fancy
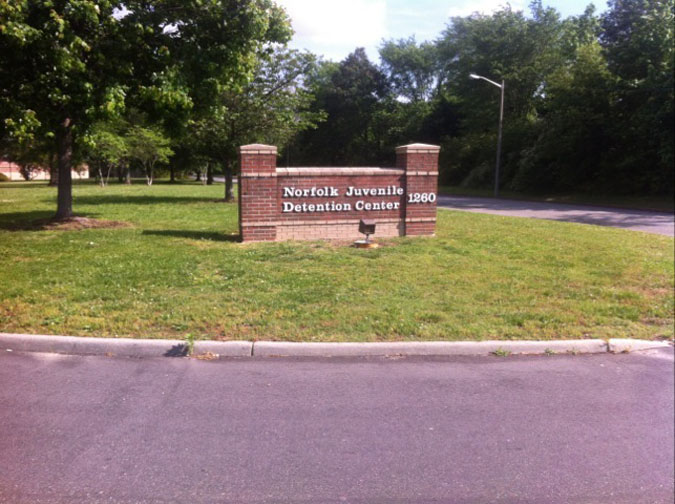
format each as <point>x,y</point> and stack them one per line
<point>148,175</point>
<point>53,169</point>
<point>107,175</point>
<point>209,173</point>
<point>120,173</point>
<point>127,175</point>
<point>64,199</point>
<point>199,175</point>
<point>173,173</point>
<point>229,186</point>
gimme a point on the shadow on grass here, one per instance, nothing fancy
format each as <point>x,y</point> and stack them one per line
<point>25,185</point>
<point>74,223</point>
<point>194,235</point>
<point>25,221</point>
<point>112,199</point>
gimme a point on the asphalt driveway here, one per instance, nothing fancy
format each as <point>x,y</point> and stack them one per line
<point>566,429</point>
<point>662,223</point>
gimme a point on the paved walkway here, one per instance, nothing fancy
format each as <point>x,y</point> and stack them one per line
<point>636,220</point>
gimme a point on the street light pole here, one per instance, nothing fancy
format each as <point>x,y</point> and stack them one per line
<point>499,131</point>
<point>499,142</point>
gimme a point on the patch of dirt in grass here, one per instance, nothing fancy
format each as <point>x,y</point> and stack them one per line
<point>654,321</point>
<point>654,292</point>
<point>72,224</point>
<point>23,259</point>
<point>79,223</point>
<point>335,244</point>
<point>240,331</point>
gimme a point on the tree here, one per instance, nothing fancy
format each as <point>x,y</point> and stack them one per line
<point>106,148</point>
<point>570,151</point>
<point>63,73</point>
<point>270,108</point>
<point>505,46</point>
<point>74,61</point>
<point>589,100</point>
<point>637,37</point>
<point>148,146</point>
<point>350,93</point>
<point>216,47</point>
<point>411,69</point>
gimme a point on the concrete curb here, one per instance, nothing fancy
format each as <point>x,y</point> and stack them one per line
<point>440,348</point>
<point>632,345</point>
<point>120,347</point>
<point>225,348</point>
<point>126,347</point>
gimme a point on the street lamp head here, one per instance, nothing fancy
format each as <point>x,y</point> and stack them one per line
<point>476,76</point>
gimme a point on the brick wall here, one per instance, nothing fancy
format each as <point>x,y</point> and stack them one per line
<point>328,203</point>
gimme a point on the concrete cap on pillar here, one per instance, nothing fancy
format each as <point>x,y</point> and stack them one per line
<point>417,148</point>
<point>258,149</point>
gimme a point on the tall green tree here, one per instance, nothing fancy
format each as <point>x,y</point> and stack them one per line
<point>505,46</point>
<point>271,108</point>
<point>412,69</point>
<point>637,36</point>
<point>212,49</point>
<point>574,130</point>
<point>351,94</point>
<point>63,74</point>
<point>106,147</point>
<point>148,146</point>
<point>589,100</point>
<point>73,61</point>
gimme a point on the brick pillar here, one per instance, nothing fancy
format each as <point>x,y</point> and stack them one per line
<point>420,161</point>
<point>258,192</point>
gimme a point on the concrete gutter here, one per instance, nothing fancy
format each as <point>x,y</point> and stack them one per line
<point>618,345</point>
<point>142,348</point>
<point>280,348</point>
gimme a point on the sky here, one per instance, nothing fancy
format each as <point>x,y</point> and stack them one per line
<point>334,28</point>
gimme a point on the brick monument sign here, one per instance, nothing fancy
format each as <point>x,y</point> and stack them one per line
<point>277,204</point>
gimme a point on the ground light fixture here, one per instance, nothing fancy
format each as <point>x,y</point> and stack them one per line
<point>499,131</point>
<point>366,227</point>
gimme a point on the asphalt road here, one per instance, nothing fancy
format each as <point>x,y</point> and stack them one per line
<point>636,220</point>
<point>547,429</point>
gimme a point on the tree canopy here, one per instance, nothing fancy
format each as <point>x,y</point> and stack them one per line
<point>75,61</point>
<point>588,105</point>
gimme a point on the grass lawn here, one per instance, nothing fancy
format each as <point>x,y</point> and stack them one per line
<point>656,203</point>
<point>178,269</point>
